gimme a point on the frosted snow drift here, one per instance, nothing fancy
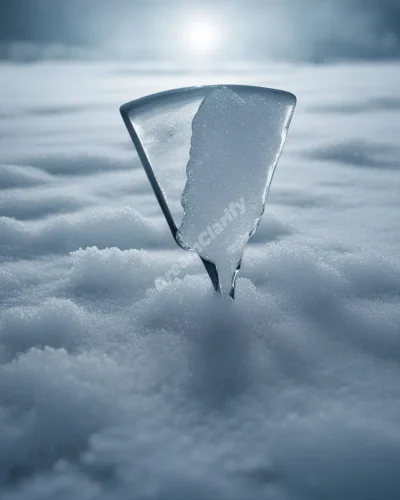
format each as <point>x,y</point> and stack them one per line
<point>111,389</point>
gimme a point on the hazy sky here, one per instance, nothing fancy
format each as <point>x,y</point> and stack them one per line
<point>242,30</point>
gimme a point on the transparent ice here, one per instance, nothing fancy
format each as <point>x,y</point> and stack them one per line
<point>210,154</point>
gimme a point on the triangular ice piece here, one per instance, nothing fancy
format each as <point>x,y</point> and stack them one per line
<point>210,154</point>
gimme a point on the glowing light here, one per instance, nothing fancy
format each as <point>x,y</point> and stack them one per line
<point>201,36</point>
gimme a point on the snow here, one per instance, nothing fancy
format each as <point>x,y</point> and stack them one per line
<point>110,388</point>
<point>238,135</point>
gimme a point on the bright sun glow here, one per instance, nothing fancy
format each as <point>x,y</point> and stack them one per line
<point>201,36</point>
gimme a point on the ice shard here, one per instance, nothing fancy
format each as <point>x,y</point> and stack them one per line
<point>210,153</point>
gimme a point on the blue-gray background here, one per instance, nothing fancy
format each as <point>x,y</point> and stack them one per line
<point>307,30</point>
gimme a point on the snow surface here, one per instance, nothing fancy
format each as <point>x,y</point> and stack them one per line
<point>112,389</point>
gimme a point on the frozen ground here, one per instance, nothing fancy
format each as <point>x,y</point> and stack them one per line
<point>111,389</point>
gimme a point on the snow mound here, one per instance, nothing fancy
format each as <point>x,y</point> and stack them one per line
<point>15,176</point>
<point>37,203</point>
<point>123,227</point>
<point>57,323</point>
<point>114,273</point>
